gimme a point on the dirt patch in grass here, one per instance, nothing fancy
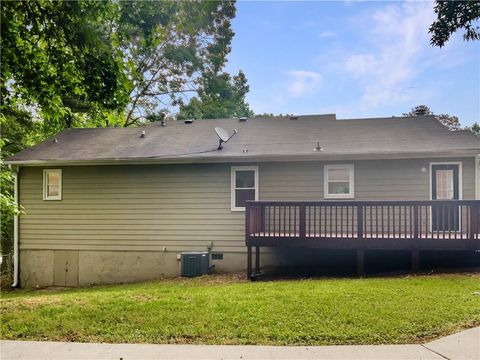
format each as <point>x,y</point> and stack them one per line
<point>221,278</point>
<point>33,303</point>
<point>143,297</point>
<point>53,289</point>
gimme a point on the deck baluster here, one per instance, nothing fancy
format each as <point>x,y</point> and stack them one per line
<point>415,222</point>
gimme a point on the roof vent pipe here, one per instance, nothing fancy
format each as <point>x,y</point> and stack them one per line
<point>318,147</point>
<point>162,123</point>
<point>142,135</point>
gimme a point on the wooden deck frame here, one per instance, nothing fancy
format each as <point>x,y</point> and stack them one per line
<point>433,225</point>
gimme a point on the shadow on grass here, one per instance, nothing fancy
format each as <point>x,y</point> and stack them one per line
<point>342,264</point>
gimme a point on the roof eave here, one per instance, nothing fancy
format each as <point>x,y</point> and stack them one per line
<point>251,158</point>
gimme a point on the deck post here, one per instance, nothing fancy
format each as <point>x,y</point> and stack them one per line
<point>248,210</point>
<point>359,222</point>
<point>302,221</point>
<point>474,227</point>
<point>415,252</point>
<point>360,262</point>
<point>249,262</point>
<point>257,260</point>
<point>248,240</point>
<point>415,260</point>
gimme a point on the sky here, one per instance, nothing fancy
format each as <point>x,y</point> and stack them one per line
<point>353,58</point>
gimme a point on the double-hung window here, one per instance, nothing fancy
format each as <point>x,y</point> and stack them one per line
<point>244,186</point>
<point>52,184</point>
<point>338,181</point>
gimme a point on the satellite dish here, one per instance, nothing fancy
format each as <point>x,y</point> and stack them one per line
<point>223,136</point>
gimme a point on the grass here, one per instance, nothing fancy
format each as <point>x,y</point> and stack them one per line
<point>226,310</point>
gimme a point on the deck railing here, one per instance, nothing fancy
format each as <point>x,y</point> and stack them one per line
<point>450,225</point>
<point>345,219</point>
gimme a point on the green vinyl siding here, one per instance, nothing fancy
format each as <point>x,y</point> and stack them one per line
<point>188,207</point>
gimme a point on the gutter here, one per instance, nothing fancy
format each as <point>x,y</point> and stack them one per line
<point>324,156</point>
<point>15,230</point>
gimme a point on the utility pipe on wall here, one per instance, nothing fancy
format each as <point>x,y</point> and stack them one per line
<point>15,230</point>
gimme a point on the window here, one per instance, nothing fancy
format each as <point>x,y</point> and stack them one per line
<point>52,184</point>
<point>444,184</point>
<point>338,181</point>
<point>244,186</point>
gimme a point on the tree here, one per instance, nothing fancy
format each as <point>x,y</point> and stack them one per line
<point>88,63</point>
<point>265,115</point>
<point>219,96</point>
<point>18,131</point>
<point>60,56</point>
<point>170,47</point>
<point>476,129</point>
<point>451,122</point>
<point>452,16</point>
<point>419,110</point>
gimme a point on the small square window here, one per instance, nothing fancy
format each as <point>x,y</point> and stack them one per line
<point>244,186</point>
<point>338,181</point>
<point>52,184</point>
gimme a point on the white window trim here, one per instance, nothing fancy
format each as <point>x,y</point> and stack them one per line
<point>351,184</point>
<point>460,177</point>
<point>234,169</point>
<point>60,181</point>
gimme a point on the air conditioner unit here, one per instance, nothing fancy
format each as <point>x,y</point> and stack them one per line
<point>195,263</point>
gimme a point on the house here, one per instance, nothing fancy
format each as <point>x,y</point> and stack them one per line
<point>113,205</point>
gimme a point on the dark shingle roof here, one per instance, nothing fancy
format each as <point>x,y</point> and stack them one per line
<point>277,138</point>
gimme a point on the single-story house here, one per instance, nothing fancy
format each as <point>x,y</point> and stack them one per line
<point>110,205</point>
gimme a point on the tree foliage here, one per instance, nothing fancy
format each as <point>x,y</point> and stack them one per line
<point>87,63</point>
<point>219,96</point>
<point>419,110</point>
<point>169,47</point>
<point>265,115</point>
<point>60,56</point>
<point>450,121</point>
<point>476,128</point>
<point>453,15</point>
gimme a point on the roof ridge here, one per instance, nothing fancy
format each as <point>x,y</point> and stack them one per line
<point>393,117</point>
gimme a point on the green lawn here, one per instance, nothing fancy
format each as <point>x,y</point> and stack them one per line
<point>226,310</point>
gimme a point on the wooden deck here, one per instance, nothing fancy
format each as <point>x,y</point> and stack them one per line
<point>447,225</point>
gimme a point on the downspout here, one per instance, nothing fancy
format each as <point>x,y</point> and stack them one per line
<point>15,229</point>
